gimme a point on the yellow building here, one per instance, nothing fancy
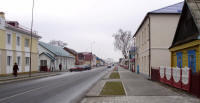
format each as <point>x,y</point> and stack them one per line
<point>185,49</point>
<point>15,44</point>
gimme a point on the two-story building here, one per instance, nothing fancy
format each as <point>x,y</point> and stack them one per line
<point>154,36</point>
<point>87,58</point>
<point>15,47</point>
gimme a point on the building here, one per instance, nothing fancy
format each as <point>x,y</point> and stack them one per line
<point>185,49</point>
<point>50,57</point>
<point>154,36</point>
<point>15,47</point>
<point>99,61</point>
<point>87,58</point>
<point>132,59</point>
<point>72,52</point>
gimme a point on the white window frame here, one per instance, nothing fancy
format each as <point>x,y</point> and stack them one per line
<point>18,60</point>
<point>9,59</point>
<point>27,61</point>
<point>26,44</point>
<point>18,40</point>
<point>8,39</point>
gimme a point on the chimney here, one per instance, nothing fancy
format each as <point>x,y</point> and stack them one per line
<point>13,23</point>
<point>2,14</point>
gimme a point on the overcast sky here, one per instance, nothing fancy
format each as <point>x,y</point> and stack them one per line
<point>82,23</point>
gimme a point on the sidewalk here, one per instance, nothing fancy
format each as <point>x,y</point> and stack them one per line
<point>11,78</point>
<point>138,90</point>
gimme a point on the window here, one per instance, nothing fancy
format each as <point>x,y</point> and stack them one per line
<point>18,60</point>
<point>27,60</point>
<point>179,59</point>
<point>8,60</point>
<point>26,42</point>
<point>18,41</point>
<point>8,38</point>
<point>43,62</point>
<point>192,60</point>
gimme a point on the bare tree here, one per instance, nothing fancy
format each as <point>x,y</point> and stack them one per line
<point>58,43</point>
<point>123,41</point>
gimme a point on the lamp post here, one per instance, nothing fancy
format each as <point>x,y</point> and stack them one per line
<point>31,36</point>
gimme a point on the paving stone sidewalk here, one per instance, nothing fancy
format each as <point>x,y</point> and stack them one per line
<point>138,90</point>
<point>11,78</point>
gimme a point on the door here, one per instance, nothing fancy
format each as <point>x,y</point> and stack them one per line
<point>43,65</point>
<point>192,60</point>
<point>138,69</point>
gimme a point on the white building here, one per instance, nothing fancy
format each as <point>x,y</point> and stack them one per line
<point>50,57</point>
<point>154,36</point>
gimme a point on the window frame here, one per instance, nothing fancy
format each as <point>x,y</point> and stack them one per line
<point>18,40</point>
<point>8,38</point>
<point>9,60</point>
<point>27,61</point>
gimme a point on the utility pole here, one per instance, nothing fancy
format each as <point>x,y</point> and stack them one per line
<point>31,37</point>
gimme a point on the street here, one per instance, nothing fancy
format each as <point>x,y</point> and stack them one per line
<point>69,87</point>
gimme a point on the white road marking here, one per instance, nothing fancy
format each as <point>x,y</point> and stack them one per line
<point>3,99</point>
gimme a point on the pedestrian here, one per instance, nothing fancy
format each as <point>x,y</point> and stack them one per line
<point>60,66</point>
<point>15,69</point>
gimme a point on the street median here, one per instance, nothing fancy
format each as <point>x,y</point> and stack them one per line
<point>113,88</point>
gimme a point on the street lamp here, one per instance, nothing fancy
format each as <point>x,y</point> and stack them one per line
<point>31,37</point>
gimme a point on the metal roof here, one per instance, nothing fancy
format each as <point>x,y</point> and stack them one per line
<point>172,9</point>
<point>58,51</point>
<point>176,8</point>
<point>49,55</point>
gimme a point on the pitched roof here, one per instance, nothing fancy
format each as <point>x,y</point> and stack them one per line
<point>70,50</point>
<point>188,28</point>
<point>59,51</point>
<point>48,55</point>
<point>176,8</point>
<point>172,9</point>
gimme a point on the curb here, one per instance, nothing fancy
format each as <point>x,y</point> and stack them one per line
<point>26,78</point>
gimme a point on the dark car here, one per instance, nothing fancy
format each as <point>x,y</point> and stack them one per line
<point>87,67</point>
<point>109,66</point>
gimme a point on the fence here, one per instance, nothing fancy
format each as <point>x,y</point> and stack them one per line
<point>181,78</point>
<point>124,66</point>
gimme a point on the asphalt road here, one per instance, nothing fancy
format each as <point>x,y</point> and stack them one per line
<point>65,88</point>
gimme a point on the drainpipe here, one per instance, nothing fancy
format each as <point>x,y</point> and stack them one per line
<point>149,47</point>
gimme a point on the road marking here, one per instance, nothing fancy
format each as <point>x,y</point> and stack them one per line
<point>3,99</point>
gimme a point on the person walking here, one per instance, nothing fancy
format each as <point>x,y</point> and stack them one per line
<point>60,67</point>
<point>15,69</point>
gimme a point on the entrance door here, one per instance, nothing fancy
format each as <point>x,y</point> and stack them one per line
<point>192,60</point>
<point>43,65</point>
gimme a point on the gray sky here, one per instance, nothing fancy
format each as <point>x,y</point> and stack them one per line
<point>80,23</point>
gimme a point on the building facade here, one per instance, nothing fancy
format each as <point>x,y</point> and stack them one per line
<point>15,47</point>
<point>50,57</point>
<point>185,49</point>
<point>87,58</point>
<point>73,53</point>
<point>154,36</point>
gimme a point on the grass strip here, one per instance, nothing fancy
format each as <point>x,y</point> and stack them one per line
<point>114,75</point>
<point>113,88</point>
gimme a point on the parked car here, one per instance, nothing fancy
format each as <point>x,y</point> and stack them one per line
<point>77,68</point>
<point>87,67</point>
<point>109,66</point>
